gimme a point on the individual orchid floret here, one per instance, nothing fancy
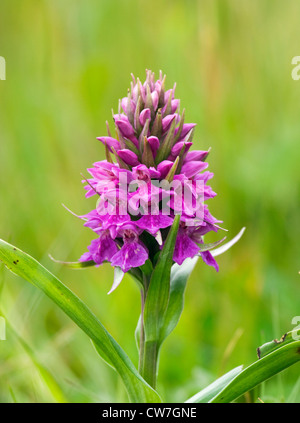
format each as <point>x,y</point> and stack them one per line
<point>101,249</point>
<point>133,253</point>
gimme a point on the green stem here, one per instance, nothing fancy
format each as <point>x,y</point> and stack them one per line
<point>142,333</point>
<point>148,353</point>
<point>149,370</point>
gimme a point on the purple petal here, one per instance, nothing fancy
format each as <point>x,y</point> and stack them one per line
<point>144,115</point>
<point>154,144</point>
<point>111,142</point>
<point>205,176</point>
<point>154,174</point>
<point>141,172</point>
<point>124,104</point>
<point>167,121</point>
<point>153,223</point>
<point>167,95</point>
<point>94,221</point>
<point>101,249</point>
<point>191,169</point>
<point>185,130</point>
<point>124,126</point>
<point>178,147</point>
<point>90,187</point>
<point>114,222</point>
<point>129,157</point>
<point>174,105</point>
<point>184,248</point>
<point>132,254</point>
<point>155,99</point>
<point>208,259</point>
<point>86,257</point>
<point>164,168</point>
<point>196,155</point>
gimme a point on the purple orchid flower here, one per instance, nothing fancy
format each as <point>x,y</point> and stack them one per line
<point>152,146</point>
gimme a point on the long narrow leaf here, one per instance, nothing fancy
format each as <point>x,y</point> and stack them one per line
<point>179,277</point>
<point>214,388</point>
<point>258,372</point>
<point>275,344</point>
<point>28,268</point>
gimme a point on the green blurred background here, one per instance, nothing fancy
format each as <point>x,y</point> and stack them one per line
<point>68,63</point>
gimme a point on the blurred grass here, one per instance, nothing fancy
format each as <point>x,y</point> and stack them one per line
<point>68,63</point>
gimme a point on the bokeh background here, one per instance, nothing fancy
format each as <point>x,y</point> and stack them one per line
<point>68,63</point>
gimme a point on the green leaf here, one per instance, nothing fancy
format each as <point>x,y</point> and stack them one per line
<point>118,277</point>
<point>157,297</point>
<point>210,246</point>
<point>206,394</point>
<point>137,333</point>
<point>259,371</point>
<point>228,244</point>
<point>275,344</point>
<point>28,268</point>
<point>147,268</point>
<point>179,277</point>
<point>74,264</point>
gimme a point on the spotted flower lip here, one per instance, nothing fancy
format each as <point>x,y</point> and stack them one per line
<point>133,253</point>
<point>152,146</point>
